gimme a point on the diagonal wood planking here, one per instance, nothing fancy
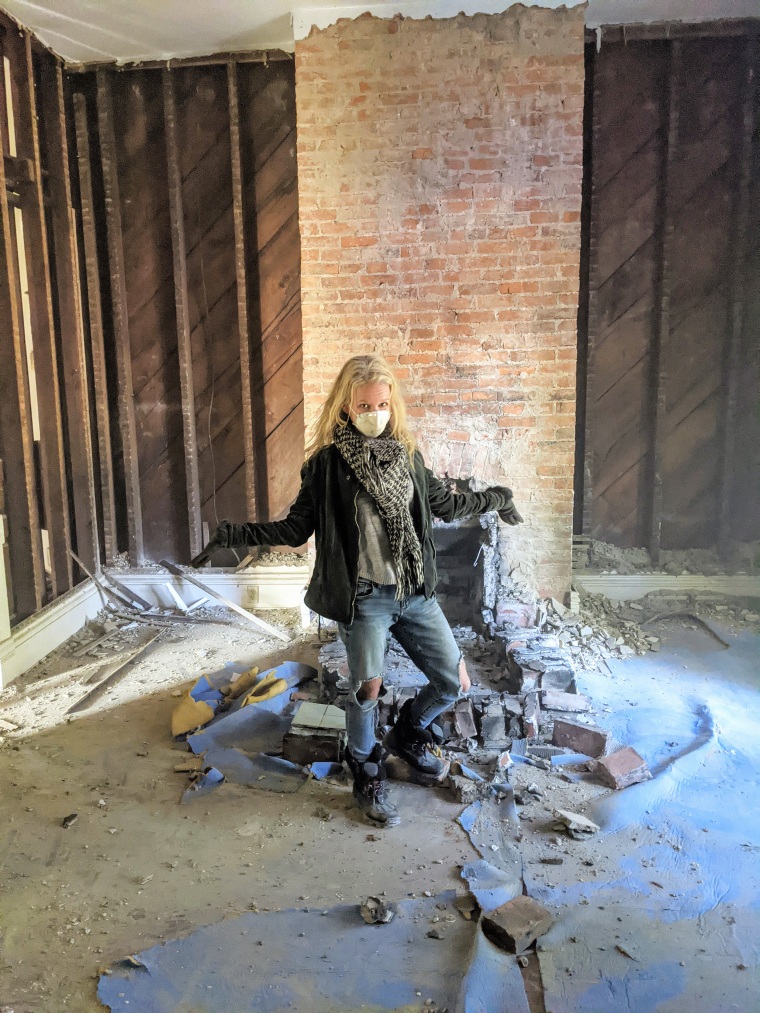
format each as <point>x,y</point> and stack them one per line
<point>268,140</point>
<point>629,150</point>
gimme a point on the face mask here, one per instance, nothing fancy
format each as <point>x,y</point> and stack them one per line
<point>372,423</point>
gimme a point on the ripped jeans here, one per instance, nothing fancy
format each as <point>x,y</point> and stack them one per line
<point>419,625</point>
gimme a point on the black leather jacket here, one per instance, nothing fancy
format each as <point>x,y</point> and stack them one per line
<point>326,505</point>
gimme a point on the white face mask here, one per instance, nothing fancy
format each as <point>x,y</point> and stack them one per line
<point>372,423</point>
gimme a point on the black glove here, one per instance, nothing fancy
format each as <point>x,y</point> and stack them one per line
<point>227,536</point>
<point>510,515</point>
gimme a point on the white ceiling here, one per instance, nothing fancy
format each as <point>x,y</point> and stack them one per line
<point>87,31</point>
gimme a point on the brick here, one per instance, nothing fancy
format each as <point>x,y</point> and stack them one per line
<point>517,924</point>
<point>581,738</point>
<point>465,719</point>
<point>622,768</point>
<point>554,700</point>
<point>493,727</point>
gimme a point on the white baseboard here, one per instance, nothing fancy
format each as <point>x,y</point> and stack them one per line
<point>41,633</point>
<point>263,587</point>
<point>624,587</point>
<point>257,587</point>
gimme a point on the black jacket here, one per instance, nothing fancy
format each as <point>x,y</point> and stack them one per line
<point>326,505</point>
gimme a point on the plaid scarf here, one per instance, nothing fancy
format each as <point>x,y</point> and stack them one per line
<point>381,466</point>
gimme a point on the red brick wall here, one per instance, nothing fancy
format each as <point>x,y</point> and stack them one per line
<point>439,171</point>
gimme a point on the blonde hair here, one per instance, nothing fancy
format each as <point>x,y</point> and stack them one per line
<point>356,372</point>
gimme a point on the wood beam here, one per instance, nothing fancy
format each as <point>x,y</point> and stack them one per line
<point>217,59</point>
<point>732,359</point>
<point>593,311</point>
<point>182,312</point>
<point>76,386</point>
<point>95,318</point>
<point>661,331</point>
<point>24,540</point>
<point>242,291</point>
<point>127,423</point>
<point>18,48</point>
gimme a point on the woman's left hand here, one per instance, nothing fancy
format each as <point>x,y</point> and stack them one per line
<point>464,679</point>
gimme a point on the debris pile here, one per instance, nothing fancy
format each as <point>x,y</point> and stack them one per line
<point>602,557</point>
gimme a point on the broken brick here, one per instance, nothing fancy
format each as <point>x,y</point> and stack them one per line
<point>517,924</point>
<point>555,700</point>
<point>582,738</point>
<point>493,726</point>
<point>622,768</point>
<point>531,717</point>
<point>518,613</point>
<point>465,719</point>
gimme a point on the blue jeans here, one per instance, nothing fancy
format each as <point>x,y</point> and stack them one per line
<point>419,625</point>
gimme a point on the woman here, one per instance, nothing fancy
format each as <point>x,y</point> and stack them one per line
<point>370,500</point>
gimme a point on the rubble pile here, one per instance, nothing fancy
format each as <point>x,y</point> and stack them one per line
<point>601,557</point>
<point>600,629</point>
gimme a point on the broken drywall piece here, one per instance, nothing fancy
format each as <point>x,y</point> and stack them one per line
<point>577,826</point>
<point>208,782</point>
<point>375,911</point>
<point>517,924</point>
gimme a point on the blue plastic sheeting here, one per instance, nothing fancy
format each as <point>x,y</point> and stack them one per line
<point>322,963</point>
<point>568,759</point>
<point>325,769</point>
<point>491,887</point>
<point>236,741</point>
<point>493,983</point>
<point>208,782</point>
<point>678,889</point>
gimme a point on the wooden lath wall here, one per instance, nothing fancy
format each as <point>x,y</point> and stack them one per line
<point>671,344</point>
<point>152,383</point>
<point>45,400</point>
<point>198,173</point>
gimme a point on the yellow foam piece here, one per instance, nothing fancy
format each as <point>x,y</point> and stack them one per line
<point>244,683</point>
<point>190,714</point>
<point>265,689</point>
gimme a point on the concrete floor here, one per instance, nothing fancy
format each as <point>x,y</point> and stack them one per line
<point>140,868</point>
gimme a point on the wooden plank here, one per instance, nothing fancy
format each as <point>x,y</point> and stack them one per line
<point>78,406</point>
<point>732,377</point>
<point>264,56</point>
<point>270,630</point>
<point>593,311</point>
<point>184,349</point>
<point>24,540</point>
<point>120,320</point>
<point>95,318</point>
<point>242,292</point>
<point>662,329</point>
<point>54,482</point>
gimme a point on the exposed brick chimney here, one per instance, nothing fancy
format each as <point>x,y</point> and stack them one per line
<point>439,167</point>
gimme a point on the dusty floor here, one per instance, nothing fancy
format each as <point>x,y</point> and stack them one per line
<point>136,868</point>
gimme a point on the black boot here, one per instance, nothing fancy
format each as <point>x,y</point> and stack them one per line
<point>417,746</point>
<point>371,789</point>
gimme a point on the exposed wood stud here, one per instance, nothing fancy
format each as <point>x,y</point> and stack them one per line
<point>95,317</point>
<point>732,359</point>
<point>242,290</point>
<point>184,348</point>
<point>54,484</point>
<point>24,541</point>
<point>70,318</point>
<point>127,423</point>
<point>661,330</point>
<point>592,315</point>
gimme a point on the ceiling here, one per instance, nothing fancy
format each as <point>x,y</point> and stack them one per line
<point>89,31</point>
